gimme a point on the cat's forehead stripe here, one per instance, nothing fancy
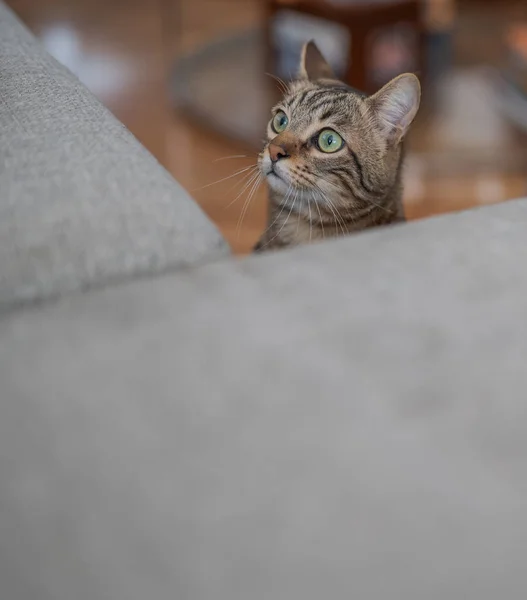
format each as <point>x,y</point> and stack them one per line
<point>325,102</point>
<point>301,98</point>
<point>321,105</point>
<point>298,99</point>
<point>307,96</point>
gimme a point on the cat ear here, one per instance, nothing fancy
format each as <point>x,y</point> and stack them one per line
<point>396,105</point>
<point>313,65</point>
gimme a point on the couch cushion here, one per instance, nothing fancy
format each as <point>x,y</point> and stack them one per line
<point>81,201</point>
<point>347,420</point>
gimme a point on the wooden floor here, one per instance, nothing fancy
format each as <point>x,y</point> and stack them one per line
<point>123,49</point>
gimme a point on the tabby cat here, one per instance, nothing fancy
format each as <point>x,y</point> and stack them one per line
<point>333,159</point>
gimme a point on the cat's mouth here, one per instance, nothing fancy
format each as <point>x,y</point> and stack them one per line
<point>274,173</point>
<point>276,177</point>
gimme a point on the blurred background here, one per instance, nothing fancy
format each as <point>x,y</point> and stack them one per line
<point>192,80</point>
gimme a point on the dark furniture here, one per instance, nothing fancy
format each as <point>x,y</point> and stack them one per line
<point>363,19</point>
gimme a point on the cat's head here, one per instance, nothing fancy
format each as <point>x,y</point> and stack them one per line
<point>328,141</point>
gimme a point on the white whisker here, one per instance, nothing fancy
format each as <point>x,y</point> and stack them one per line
<point>225,178</point>
<point>338,218</point>
<point>229,157</point>
<point>285,222</point>
<point>365,197</point>
<point>310,221</point>
<point>320,215</point>
<point>282,85</point>
<point>247,203</point>
<point>290,189</point>
<point>340,221</point>
<point>249,179</point>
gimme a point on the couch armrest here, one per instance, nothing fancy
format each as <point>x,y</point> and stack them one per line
<point>82,203</point>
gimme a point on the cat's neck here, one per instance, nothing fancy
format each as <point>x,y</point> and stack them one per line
<point>360,214</point>
<point>380,211</point>
<point>291,223</point>
<point>291,226</point>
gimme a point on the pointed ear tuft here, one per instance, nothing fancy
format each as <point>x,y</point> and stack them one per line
<point>313,65</point>
<point>396,105</point>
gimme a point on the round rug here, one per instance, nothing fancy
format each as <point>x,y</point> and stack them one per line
<point>224,87</point>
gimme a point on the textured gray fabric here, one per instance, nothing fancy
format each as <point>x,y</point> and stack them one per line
<point>347,420</point>
<point>81,201</point>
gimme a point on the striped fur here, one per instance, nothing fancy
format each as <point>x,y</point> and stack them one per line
<point>314,195</point>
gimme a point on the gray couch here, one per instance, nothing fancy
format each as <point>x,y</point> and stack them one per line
<point>346,420</point>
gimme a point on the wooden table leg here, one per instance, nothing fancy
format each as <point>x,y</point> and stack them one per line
<point>357,71</point>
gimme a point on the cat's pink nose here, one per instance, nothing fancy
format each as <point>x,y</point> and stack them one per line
<point>277,152</point>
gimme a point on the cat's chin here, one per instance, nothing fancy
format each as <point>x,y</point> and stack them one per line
<point>277,184</point>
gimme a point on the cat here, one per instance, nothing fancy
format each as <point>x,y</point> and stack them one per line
<point>333,158</point>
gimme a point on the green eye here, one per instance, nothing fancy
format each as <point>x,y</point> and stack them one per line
<point>329,141</point>
<point>280,121</point>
